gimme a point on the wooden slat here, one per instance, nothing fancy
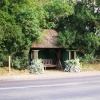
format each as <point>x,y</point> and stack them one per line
<point>48,63</point>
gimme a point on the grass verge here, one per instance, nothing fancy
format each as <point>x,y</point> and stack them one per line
<point>84,67</point>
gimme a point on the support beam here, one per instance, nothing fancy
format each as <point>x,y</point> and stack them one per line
<point>74,54</point>
<point>69,55</point>
<point>35,54</point>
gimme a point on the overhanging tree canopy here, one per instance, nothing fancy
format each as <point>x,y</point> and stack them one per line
<point>21,22</point>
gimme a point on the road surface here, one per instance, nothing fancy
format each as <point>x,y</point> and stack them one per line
<point>83,88</point>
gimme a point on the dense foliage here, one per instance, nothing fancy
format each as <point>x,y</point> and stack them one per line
<point>21,22</point>
<point>82,27</point>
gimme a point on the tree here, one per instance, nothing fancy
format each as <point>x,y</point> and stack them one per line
<point>20,26</point>
<point>85,22</point>
<point>66,38</point>
<point>57,9</point>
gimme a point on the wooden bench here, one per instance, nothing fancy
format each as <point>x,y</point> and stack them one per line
<point>48,63</point>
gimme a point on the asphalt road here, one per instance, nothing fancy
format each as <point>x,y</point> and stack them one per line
<point>83,88</point>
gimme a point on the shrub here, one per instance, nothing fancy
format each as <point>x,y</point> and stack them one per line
<point>88,58</point>
<point>16,63</point>
<point>36,67</point>
<point>72,65</point>
<point>19,63</point>
<point>1,64</point>
<point>3,60</point>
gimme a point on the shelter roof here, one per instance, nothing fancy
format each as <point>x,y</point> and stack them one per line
<point>49,40</point>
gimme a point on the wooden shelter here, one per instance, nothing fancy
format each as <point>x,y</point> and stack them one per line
<point>48,48</point>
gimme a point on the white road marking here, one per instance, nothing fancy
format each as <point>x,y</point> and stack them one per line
<point>49,85</point>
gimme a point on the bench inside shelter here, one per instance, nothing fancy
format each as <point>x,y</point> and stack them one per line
<point>48,63</point>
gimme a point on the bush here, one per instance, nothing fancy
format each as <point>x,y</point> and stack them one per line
<point>36,67</point>
<point>19,63</point>
<point>3,59</point>
<point>1,64</point>
<point>88,58</point>
<point>72,65</point>
<point>16,63</point>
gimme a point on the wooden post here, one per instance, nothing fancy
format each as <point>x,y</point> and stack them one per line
<point>9,63</point>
